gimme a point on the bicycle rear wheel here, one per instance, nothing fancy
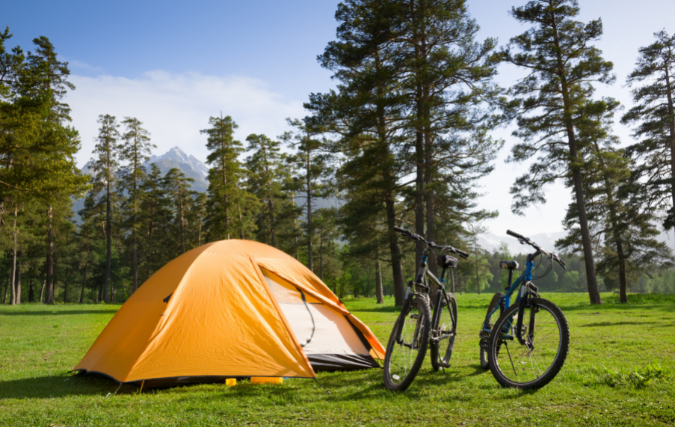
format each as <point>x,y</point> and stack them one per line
<point>490,320</point>
<point>444,330</point>
<point>407,345</point>
<point>546,338</point>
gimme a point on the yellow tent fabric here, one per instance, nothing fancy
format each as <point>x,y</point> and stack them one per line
<point>211,313</point>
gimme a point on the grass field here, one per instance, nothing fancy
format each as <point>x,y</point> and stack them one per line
<point>606,380</point>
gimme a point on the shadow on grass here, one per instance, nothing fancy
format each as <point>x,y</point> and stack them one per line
<point>55,313</point>
<point>47,387</point>
<point>381,309</point>
<point>604,324</point>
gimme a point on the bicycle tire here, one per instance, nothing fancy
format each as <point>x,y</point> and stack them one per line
<point>496,299</point>
<point>445,323</point>
<point>398,373</point>
<point>544,342</point>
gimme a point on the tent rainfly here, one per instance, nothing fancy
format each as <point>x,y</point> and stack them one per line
<point>228,309</point>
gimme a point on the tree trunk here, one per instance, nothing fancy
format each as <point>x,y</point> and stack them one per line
<point>66,279</point>
<point>49,298</point>
<point>452,280</point>
<point>310,233</point>
<point>241,222</point>
<point>378,282</point>
<point>17,286</point>
<point>321,257</point>
<point>182,219</point>
<point>273,234</point>
<point>227,213</point>
<point>475,247</point>
<point>7,285</point>
<point>31,291</point>
<point>12,294</point>
<point>395,251</point>
<point>108,245</point>
<point>84,280</point>
<point>42,290</point>
<point>671,113</point>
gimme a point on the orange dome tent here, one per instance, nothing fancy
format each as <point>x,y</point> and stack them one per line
<point>233,308</point>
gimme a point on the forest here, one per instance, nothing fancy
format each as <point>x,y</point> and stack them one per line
<point>402,140</point>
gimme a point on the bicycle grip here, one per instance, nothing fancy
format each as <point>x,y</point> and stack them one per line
<point>516,235</point>
<point>462,254</point>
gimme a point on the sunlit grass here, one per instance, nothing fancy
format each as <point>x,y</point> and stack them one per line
<point>40,344</point>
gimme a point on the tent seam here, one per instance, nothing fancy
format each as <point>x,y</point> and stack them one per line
<point>182,280</point>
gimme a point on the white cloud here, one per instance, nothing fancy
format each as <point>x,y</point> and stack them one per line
<point>174,107</point>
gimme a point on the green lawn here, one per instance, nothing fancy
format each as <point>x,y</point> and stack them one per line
<point>597,386</point>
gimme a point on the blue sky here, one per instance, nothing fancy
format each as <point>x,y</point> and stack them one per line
<point>173,64</point>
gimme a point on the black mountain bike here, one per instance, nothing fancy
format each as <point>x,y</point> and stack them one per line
<point>415,329</point>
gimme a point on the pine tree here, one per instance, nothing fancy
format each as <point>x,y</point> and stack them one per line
<point>224,176</point>
<point>155,217</point>
<point>177,187</point>
<point>312,163</point>
<point>90,235</point>
<point>105,166</point>
<point>135,150</point>
<point>447,77</point>
<point>265,167</point>
<point>654,121</point>
<point>562,63</point>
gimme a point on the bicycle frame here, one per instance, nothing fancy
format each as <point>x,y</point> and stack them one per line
<point>422,274</point>
<point>522,295</point>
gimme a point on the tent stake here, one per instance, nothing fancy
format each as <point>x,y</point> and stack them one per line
<point>142,384</point>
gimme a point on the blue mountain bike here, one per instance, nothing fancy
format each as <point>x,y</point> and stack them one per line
<point>525,344</point>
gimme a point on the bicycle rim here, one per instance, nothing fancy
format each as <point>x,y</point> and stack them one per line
<point>405,356</point>
<point>445,330</point>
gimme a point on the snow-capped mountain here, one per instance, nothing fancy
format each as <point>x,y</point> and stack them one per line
<point>189,165</point>
<point>175,158</point>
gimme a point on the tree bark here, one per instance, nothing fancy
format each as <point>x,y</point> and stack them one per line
<point>31,291</point>
<point>49,298</point>
<point>309,209</point>
<point>378,282</point>
<point>84,280</point>
<point>395,251</point>
<point>321,257</point>
<point>671,113</point>
<point>17,286</point>
<point>42,290</point>
<point>182,219</point>
<point>12,293</point>
<point>108,245</point>
<point>7,285</point>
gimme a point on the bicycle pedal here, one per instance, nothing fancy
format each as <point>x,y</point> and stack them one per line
<point>414,316</point>
<point>443,365</point>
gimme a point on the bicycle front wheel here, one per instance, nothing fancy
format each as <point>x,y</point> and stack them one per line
<point>538,360</point>
<point>407,345</point>
<point>444,331</point>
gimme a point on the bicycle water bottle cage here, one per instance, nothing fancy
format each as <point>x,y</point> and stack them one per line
<point>511,265</point>
<point>446,261</point>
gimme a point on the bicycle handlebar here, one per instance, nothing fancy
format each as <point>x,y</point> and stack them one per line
<point>431,244</point>
<point>524,240</point>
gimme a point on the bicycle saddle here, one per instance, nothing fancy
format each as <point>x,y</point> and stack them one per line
<point>511,265</point>
<point>446,261</point>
